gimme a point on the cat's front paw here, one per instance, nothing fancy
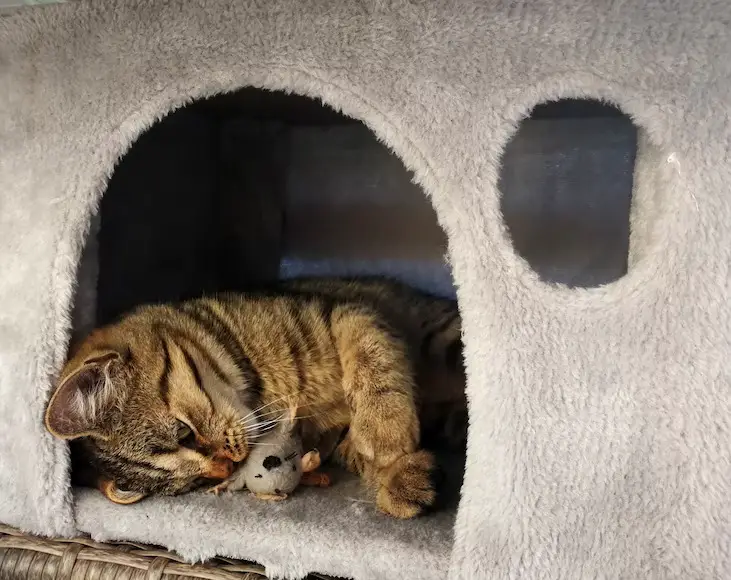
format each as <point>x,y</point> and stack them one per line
<point>408,489</point>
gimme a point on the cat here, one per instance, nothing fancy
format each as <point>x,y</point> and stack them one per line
<point>171,397</point>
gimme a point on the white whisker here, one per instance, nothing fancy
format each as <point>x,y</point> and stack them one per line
<point>263,431</point>
<point>309,416</point>
<point>256,420</point>
<point>255,411</point>
<point>260,432</point>
<point>266,423</point>
<point>255,437</point>
<point>269,415</point>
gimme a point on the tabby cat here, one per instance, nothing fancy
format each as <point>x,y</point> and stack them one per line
<point>172,397</point>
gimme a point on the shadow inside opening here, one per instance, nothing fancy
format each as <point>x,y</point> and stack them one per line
<point>566,184</point>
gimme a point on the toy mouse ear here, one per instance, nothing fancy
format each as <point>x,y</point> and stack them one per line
<point>289,421</point>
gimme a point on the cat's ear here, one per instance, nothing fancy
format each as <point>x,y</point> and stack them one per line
<point>85,393</point>
<point>116,495</point>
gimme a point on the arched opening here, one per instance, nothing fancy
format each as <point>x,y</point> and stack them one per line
<point>238,190</point>
<point>566,185</point>
<point>245,188</point>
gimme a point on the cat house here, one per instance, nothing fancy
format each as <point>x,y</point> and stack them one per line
<point>559,167</point>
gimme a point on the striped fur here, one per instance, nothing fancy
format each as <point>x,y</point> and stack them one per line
<point>198,382</point>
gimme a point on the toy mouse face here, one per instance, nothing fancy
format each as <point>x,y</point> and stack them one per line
<point>274,468</point>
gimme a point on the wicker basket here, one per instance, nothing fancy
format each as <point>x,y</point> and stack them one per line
<point>25,557</point>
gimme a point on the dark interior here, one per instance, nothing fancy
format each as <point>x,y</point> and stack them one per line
<point>199,202</point>
<point>566,181</point>
<point>197,205</point>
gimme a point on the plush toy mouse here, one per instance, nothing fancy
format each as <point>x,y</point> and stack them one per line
<point>276,465</point>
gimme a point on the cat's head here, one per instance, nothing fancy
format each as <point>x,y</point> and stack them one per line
<point>157,405</point>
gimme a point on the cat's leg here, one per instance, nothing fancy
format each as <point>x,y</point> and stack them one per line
<point>383,437</point>
<point>235,482</point>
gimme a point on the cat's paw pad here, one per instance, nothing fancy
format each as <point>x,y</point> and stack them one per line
<point>408,488</point>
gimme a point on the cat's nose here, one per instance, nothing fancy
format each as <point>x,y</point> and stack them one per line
<point>221,468</point>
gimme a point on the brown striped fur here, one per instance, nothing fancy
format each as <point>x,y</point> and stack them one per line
<point>172,396</point>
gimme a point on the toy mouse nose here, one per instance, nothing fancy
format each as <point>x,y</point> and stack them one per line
<point>271,462</point>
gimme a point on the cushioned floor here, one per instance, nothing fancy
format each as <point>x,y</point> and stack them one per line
<point>327,522</point>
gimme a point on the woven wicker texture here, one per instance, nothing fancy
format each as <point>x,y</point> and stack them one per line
<point>25,557</point>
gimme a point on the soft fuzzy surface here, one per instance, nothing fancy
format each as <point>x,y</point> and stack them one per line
<point>600,418</point>
<point>337,530</point>
<point>364,217</point>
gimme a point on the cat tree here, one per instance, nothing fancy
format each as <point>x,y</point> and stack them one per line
<point>600,418</point>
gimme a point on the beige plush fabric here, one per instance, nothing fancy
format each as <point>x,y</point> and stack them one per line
<point>600,419</point>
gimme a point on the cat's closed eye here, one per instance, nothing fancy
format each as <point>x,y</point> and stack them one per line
<point>185,435</point>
